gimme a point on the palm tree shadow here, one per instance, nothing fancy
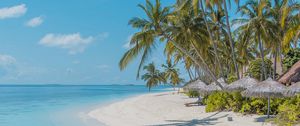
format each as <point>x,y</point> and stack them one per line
<point>210,120</point>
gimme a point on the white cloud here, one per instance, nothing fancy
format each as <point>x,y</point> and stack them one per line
<point>34,22</point>
<point>13,12</point>
<point>127,44</point>
<point>6,60</point>
<point>75,43</point>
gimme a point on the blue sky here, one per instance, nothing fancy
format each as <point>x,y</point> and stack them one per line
<point>67,42</point>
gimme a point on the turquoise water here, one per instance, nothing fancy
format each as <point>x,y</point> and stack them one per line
<point>59,105</point>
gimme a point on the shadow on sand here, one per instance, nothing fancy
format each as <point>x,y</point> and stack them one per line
<point>210,120</point>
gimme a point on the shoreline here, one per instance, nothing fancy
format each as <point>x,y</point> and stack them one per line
<point>166,109</point>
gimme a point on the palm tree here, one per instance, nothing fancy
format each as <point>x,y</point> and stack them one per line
<point>199,4</point>
<point>171,73</point>
<point>285,15</point>
<point>156,26</point>
<point>153,77</point>
<point>256,25</point>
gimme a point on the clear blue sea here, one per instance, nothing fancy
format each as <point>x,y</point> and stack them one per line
<point>59,105</point>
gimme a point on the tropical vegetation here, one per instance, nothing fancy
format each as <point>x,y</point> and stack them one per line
<point>209,42</point>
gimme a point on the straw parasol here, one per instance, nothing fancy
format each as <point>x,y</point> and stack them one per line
<point>241,84</point>
<point>197,85</point>
<point>214,87</point>
<point>293,90</point>
<point>266,89</point>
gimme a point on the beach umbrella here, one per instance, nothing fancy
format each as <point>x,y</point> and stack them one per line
<point>241,84</point>
<point>293,90</point>
<point>197,85</point>
<point>266,89</point>
<point>214,87</point>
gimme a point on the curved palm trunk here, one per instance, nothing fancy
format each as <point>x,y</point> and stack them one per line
<point>207,70</point>
<point>231,41</point>
<point>260,44</point>
<point>212,39</point>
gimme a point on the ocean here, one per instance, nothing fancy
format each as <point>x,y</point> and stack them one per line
<point>60,105</point>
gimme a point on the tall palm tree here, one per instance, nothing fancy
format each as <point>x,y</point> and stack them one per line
<point>153,77</point>
<point>199,4</point>
<point>156,26</point>
<point>286,15</point>
<point>171,73</point>
<point>256,24</point>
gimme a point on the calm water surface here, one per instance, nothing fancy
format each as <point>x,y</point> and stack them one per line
<point>59,105</point>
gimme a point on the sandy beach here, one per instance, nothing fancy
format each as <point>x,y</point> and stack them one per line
<point>167,109</point>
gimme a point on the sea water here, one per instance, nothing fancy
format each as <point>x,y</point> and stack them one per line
<point>59,105</point>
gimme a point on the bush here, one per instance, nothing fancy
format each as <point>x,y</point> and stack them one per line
<point>260,106</point>
<point>231,78</point>
<point>192,94</point>
<point>255,68</point>
<point>219,101</point>
<point>235,101</point>
<point>289,112</point>
<point>291,58</point>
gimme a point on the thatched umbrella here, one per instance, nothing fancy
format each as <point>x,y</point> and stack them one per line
<point>267,88</point>
<point>214,87</point>
<point>197,85</point>
<point>293,90</point>
<point>241,84</point>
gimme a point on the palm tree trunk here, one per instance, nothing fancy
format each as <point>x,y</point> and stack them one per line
<point>231,41</point>
<point>189,72</point>
<point>260,44</point>
<point>275,63</point>
<point>211,39</point>
<point>206,68</point>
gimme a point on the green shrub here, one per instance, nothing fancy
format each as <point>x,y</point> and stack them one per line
<point>291,58</point>
<point>289,112</point>
<point>217,101</point>
<point>231,78</point>
<point>192,94</point>
<point>246,108</point>
<point>260,106</point>
<point>235,101</point>
<point>255,69</point>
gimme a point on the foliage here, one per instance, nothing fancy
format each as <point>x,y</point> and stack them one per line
<point>219,101</point>
<point>231,78</point>
<point>260,106</point>
<point>192,94</point>
<point>291,58</point>
<point>171,74</point>
<point>233,101</point>
<point>153,77</point>
<point>255,68</point>
<point>289,112</point>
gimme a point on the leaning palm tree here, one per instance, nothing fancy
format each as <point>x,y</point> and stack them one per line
<point>153,77</point>
<point>171,73</point>
<point>152,27</point>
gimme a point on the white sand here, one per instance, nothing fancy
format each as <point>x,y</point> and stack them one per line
<point>166,109</point>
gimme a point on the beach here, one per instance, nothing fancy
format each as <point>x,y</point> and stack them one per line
<point>167,109</point>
